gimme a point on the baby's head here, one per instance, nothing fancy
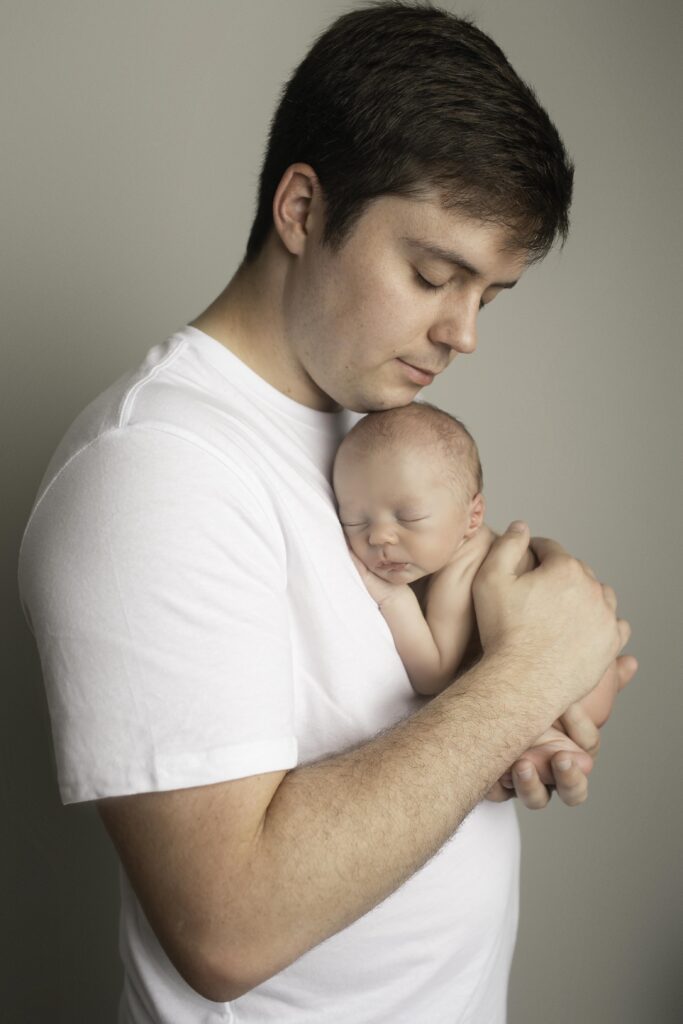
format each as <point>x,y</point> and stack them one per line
<point>408,485</point>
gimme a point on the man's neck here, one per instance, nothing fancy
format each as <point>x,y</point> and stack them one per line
<point>244,317</point>
<point>247,317</point>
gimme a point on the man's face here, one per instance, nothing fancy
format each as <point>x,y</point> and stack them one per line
<point>368,326</point>
<point>400,517</point>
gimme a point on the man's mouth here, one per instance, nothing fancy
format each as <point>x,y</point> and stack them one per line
<point>417,374</point>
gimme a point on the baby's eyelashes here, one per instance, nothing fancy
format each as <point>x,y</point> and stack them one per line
<point>362,524</point>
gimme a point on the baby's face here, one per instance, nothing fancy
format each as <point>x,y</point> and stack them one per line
<point>401,518</point>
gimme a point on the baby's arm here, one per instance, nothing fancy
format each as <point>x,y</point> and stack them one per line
<point>412,636</point>
<point>449,618</point>
<point>427,665</point>
<point>449,608</point>
<point>432,644</point>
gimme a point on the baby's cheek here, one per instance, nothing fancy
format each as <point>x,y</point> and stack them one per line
<point>432,558</point>
<point>358,547</point>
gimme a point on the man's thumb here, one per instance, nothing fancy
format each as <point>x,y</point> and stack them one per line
<point>507,550</point>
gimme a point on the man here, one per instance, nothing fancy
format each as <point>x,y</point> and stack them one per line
<point>218,677</point>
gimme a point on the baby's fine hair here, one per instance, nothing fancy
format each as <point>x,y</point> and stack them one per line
<point>422,425</point>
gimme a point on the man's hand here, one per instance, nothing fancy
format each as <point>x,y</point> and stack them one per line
<point>557,618</point>
<point>571,784</point>
<point>583,720</point>
<point>553,741</point>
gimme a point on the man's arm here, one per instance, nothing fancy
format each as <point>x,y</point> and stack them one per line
<point>240,879</point>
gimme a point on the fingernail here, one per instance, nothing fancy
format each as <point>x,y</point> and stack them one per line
<point>517,527</point>
<point>564,764</point>
<point>524,773</point>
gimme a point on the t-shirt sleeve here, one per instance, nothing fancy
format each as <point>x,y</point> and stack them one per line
<point>153,576</point>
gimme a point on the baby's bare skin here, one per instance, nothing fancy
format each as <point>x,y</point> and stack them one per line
<point>418,545</point>
<point>459,573</point>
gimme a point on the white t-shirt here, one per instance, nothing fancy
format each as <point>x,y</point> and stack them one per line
<point>198,619</point>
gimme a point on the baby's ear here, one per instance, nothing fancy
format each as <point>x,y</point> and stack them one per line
<point>476,515</point>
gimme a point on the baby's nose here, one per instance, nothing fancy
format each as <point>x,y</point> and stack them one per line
<point>381,535</point>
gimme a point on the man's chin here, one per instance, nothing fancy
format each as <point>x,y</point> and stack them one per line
<point>381,403</point>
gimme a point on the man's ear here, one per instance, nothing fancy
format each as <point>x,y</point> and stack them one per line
<point>297,204</point>
<point>476,515</point>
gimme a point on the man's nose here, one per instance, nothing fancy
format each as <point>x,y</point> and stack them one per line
<point>457,328</point>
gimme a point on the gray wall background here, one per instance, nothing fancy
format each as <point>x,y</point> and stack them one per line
<point>132,136</point>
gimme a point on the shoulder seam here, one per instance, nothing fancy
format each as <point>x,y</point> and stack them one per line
<point>128,400</point>
<point>155,428</point>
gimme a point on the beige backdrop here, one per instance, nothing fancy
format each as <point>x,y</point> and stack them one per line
<point>131,147</point>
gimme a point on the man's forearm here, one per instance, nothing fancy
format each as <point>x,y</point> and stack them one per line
<point>340,835</point>
<point>239,879</point>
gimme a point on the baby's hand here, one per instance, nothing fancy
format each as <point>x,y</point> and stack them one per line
<point>378,588</point>
<point>550,743</point>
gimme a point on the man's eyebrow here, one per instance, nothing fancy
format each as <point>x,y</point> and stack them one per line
<point>454,257</point>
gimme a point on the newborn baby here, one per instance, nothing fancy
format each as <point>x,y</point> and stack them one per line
<point>408,483</point>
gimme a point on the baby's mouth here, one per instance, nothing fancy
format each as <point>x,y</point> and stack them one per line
<point>392,566</point>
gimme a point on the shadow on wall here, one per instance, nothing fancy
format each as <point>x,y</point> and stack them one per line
<point>58,944</point>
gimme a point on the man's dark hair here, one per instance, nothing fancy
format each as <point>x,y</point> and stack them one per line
<point>402,98</point>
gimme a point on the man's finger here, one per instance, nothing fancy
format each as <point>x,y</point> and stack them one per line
<point>580,727</point>
<point>507,551</point>
<point>529,787</point>
<point>498,793</point>
<point>627,666</point>
<point>624,628</point>
<point>570,782</point>
<point>544,548</point>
